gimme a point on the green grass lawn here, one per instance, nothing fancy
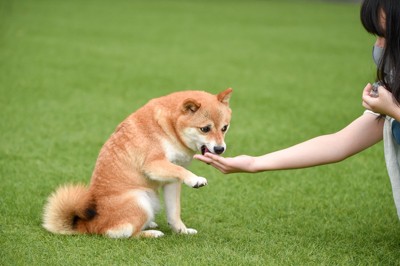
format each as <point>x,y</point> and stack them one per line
<point>70,71</point>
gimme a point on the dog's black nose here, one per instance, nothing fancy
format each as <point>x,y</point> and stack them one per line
<point>219,149</point>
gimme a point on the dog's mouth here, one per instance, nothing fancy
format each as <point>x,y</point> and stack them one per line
<point>204,149</point>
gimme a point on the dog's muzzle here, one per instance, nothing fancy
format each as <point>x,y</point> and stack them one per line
<point>216,150</point>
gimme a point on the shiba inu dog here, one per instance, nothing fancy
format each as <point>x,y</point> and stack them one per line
<point>148,151</point>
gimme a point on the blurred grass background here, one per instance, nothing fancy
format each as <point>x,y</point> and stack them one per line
<point>70,71</point>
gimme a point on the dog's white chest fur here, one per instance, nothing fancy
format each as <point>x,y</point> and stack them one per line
<point>176,155</point>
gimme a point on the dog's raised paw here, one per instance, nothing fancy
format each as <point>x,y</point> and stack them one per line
<point>196,182</point>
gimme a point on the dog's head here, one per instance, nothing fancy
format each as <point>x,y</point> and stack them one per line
<point>204,121</point>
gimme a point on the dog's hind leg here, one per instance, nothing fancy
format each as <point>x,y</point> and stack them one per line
<point>150,234</point>
<point>128,214</point>
<point>128,230</point>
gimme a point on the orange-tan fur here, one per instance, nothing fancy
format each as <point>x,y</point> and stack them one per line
<point>149,150</point>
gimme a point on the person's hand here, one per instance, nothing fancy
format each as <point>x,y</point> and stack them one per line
<point>383,104</point>
<point>242,163</point>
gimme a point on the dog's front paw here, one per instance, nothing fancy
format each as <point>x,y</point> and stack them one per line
<point>181,229</point>
<point>196,182</point>
<point>187,231</point>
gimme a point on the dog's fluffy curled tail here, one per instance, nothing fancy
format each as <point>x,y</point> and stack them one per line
<point>64,207</point>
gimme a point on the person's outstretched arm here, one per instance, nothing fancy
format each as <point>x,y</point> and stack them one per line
<point>362,133</point>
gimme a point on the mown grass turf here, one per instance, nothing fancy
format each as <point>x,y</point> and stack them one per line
<point>70,71</point>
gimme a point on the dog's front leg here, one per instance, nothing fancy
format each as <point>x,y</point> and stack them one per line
<point>165,171</point>
<point>172,195</point>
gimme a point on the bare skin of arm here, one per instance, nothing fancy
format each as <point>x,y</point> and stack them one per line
<point>360,134</point>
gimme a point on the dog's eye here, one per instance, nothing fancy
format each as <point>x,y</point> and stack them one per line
<point>205,129</point>
<point>225,128</point>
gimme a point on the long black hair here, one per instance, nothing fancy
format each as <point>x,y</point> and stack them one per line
<point>371,11</point>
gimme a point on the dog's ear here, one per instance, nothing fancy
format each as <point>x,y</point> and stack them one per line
<point>224,96</point>
<point>190,105</point>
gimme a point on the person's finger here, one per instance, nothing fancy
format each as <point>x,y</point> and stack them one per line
<point>366,105</point>
<point>203,158</point>
<point>368,99</point>
<point>213,156</point>
<point>219,166</point>
<point>367,89</point>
